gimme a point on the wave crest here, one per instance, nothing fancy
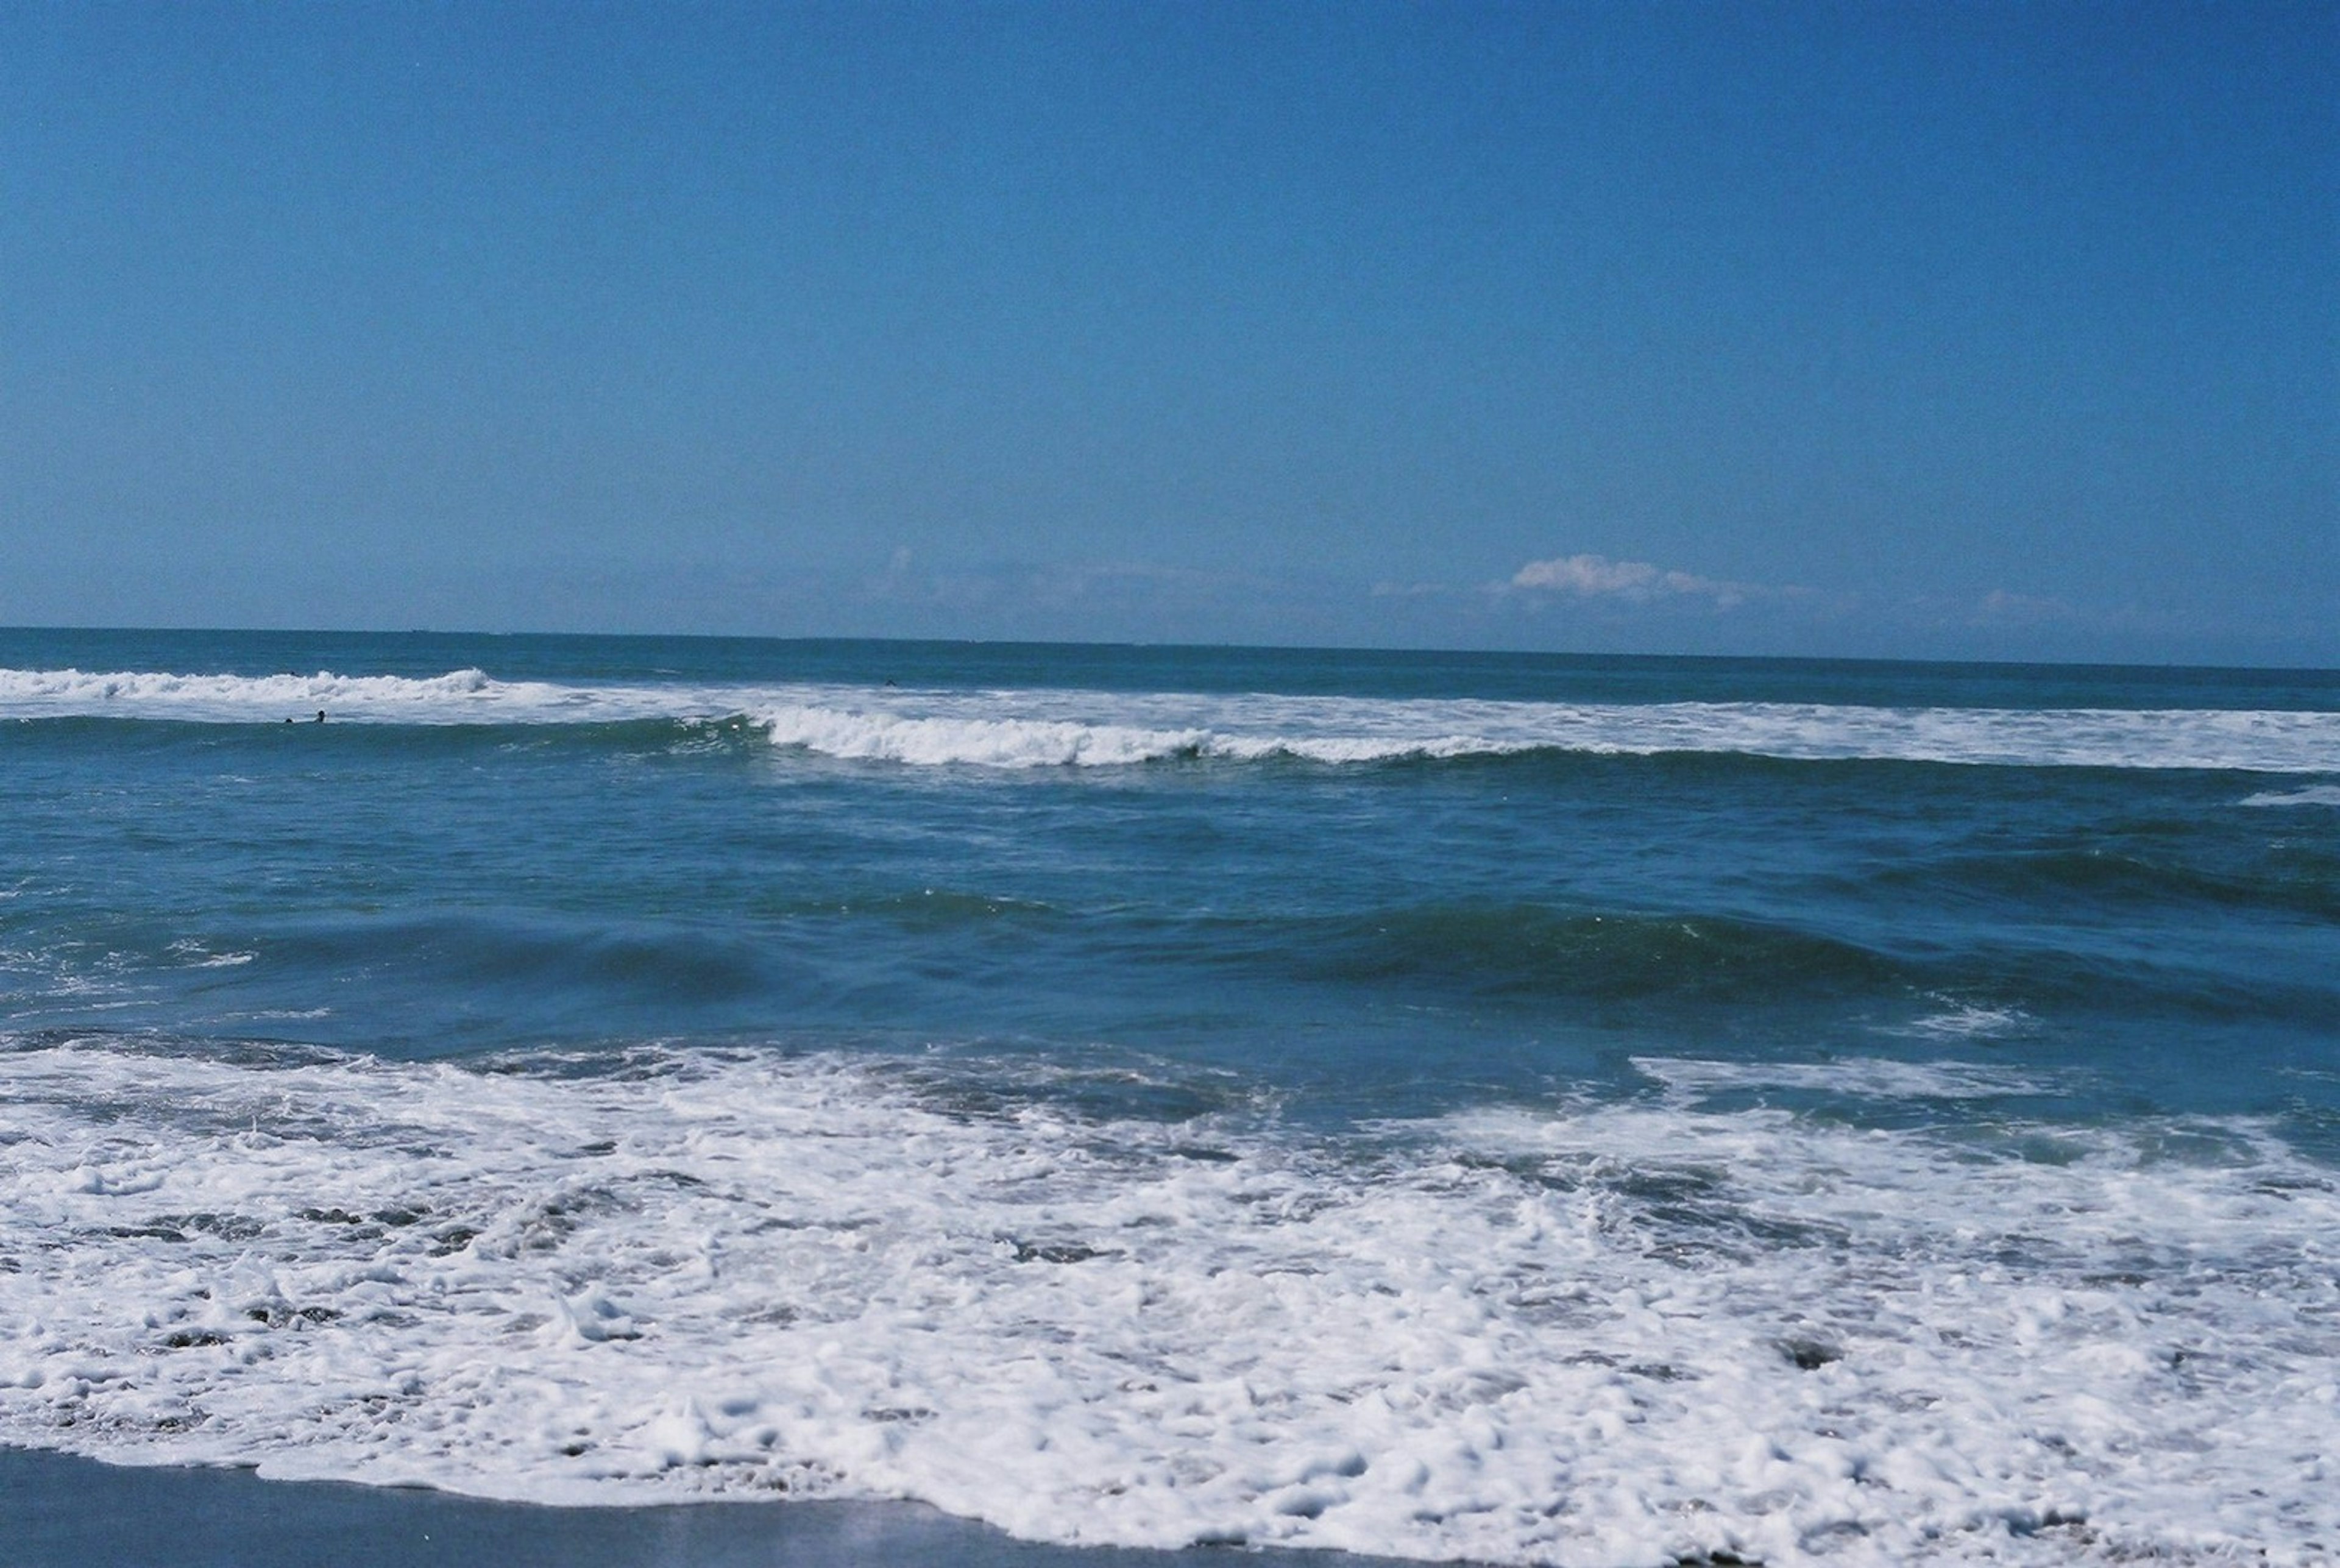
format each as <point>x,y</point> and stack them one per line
<point>1037,728</point>
<point>983,743</point>
<point>2314,795</point>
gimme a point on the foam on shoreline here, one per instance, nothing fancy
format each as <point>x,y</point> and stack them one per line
<point>1578,1334</point>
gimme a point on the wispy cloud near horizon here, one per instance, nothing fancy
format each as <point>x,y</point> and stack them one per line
<point>1592,576</point>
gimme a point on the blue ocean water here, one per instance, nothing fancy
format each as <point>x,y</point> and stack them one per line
<point>1519,1107</point>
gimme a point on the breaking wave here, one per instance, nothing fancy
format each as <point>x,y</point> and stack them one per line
<point>1028,728</point>
<point>2314,795</point>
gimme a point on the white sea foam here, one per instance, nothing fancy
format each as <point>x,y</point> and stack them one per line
<point>977,741</point>
<point>1966,1021</point>
<point>1037,728</point>
<point>1618,1334</point>
<point>2313,795</point>
<point>1866,1078</point>
<point>241,700</point>
<point>1032,728</point>
<point>196,955</point>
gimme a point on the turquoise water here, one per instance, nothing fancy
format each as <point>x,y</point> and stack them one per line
<point>1655,1106</point>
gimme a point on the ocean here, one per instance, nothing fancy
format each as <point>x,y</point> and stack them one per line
<point>1499,1107</point>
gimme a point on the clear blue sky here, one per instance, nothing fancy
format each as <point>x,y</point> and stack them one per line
<point>2005,331</point>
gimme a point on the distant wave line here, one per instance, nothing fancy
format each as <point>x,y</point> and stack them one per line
<point>1027,728</point>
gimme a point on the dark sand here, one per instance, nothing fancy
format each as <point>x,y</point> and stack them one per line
<point>60,1512</point>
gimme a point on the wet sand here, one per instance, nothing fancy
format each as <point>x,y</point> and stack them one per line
<point>61,1512</point>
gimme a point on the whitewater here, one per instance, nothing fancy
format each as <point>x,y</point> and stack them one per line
<point>1028,728</point>
<point>719,1275</point>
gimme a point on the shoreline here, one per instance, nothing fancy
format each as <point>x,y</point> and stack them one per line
<point>64,1510</point>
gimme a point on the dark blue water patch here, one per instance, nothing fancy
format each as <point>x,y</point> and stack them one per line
<point>2115,979</point>
<point>1539,962</point>
<point>1517,949</point>
<point>911,912</point>
<point>2280,880</point>
<point>603,966</point>
<point>407,985</point>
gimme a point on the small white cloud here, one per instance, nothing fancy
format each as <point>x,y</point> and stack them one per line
<point>1022,586</point>
<point>2000,606</point>
<point>1598,577</point>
